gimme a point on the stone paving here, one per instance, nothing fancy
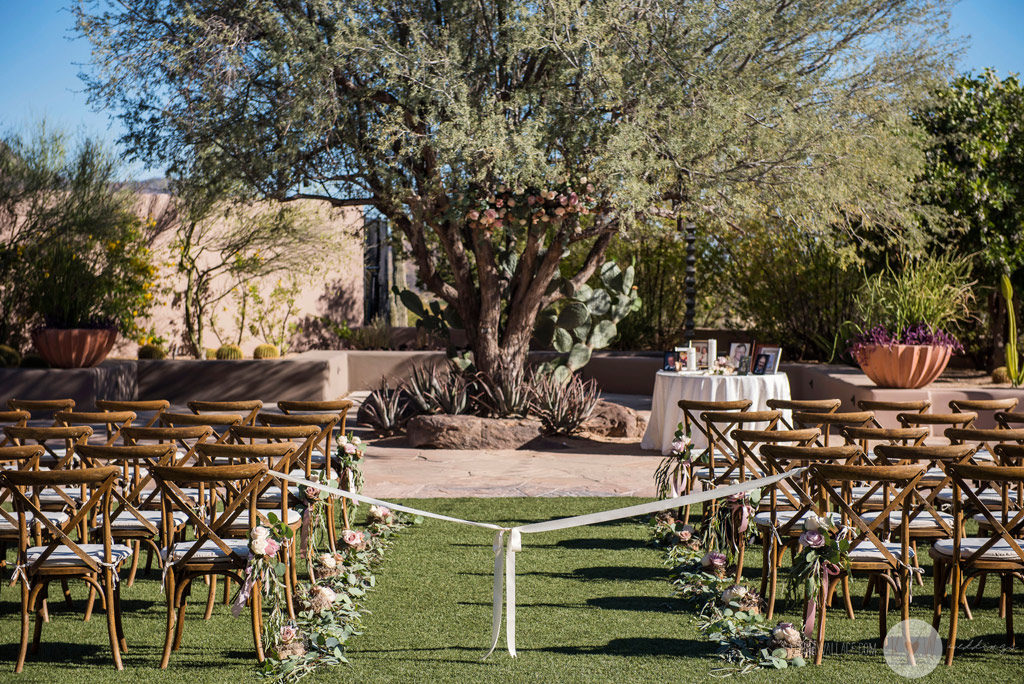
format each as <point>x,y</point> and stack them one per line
<point>552,467</point>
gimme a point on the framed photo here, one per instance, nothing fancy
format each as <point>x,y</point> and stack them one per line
<point>737,350</point>
<point>774,356</point>
<point>703,353</point>
<point>669,361</point>
<point>761,362</point>
<point>744,366</point>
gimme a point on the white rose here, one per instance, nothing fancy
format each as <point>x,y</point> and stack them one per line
<point>813,522</point>
<point>260,532</point>
<point>327,560</point>
<point>258,547</point>
<point>736,592</point>
<point>356,440</point>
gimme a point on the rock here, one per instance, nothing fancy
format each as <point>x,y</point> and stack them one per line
<point>615,420</point>
<point>470,432</point>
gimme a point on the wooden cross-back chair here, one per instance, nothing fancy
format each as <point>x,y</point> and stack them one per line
<point>1009,419</point>
<point>112,422</point>
<point>832,421</point>
<point>339,407</point>
<point>870,437</point>
<point>980,406</point>
<point>184,437</point>
<point>154,407</point>
<point>726,460</point>
<point>248,408</point>
<point>44,406</point>
<point>985,440</point>
<point>750,461</point>
<point>780,522</point>
<point>134,518</point>
<point>890,562</point>
<point>219,422</point>
<point>212,552</point>
<point>61,558</point>
<point>896,407</point>
<point>962,558</point>
<point>936,422</point>
<point>12,418</point>
<point>272,498</point>
<point>56,458</point>
<point>19,458</point>
<point>693,425</point>
<point>810,405</point>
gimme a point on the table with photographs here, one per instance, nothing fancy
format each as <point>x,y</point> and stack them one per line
<point>670,387</point>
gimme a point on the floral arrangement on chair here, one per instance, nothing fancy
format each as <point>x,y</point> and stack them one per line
<point>823,556</point>
<point>673,474</point>
<point>266,568</point>
<point>313,503</point>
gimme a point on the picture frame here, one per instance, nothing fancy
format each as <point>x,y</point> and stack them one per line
<point>687,359</point>
<point>737,351</point>
<point>761,363</point>
<point>744,366</point>
<point>668,362</point>
<point>702,350</point>
<point>774,356</point>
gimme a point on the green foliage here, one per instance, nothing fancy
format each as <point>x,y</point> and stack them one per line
<point>504,393</point>
<point>74,253</point>
<point>266,351</point>
<point>230,352</point>
<point>563,405</point>
<point>975,162</point>
<point>9,357</point>
<point>384,410</point>
<point>209,354</point>
<point>436,318</point>
<point>427,111</point>
<point>587,318</point>
<point>936,291</point>
<point>1013,370</point>
<point>152,351</point>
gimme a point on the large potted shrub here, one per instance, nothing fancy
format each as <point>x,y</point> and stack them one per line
<point>904,340</point>
<point>86,271</point>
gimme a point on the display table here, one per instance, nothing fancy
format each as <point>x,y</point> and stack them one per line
<point>670,387</point>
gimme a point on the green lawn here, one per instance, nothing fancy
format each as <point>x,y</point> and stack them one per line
<point>594,606</point>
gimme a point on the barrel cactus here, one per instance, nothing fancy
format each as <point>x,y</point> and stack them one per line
<point>229,352</point>
<point>266,351</point>
<point>9,357</point>
<point>152,351</point>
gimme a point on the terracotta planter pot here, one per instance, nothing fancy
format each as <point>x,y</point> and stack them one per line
<point>74,347</point>
<point>904,366</point>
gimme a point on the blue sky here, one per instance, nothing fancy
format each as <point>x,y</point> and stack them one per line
<point>39,63</point>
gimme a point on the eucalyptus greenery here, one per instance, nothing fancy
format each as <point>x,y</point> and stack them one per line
<point>427,112</point>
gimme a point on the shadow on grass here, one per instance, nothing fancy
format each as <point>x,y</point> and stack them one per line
<point>640,647</point>
<point>610,544</point>
<point>647,604</point>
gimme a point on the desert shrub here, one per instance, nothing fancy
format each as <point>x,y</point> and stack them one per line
<point>266,351</point>
<point>384,410</point>
<point>229,352</point>
<point>563,407</point>
<point>375,335</point>
<point>152,351</point>
<point>211,354</point>
<point>9,357</point>
<point>452,394</point>
<point>504,393</point>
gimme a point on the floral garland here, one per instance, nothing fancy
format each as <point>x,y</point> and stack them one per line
<point>728,613</point>
<point>329,610</point>
<point>672,476</point>
<point>348,460</point>
<point>266,568</point>
<point>823,555</point>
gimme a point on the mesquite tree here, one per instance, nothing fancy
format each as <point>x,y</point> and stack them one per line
<point>498,135</point>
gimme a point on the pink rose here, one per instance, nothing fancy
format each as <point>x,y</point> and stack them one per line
<point>812,538</point>
<point>473,215</point>
<point>353,539</point>
<point>714,559</point>
<point>272,547</point>
<point>288,634</point>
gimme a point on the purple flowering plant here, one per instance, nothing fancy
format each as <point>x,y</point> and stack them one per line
<point>917,334</point>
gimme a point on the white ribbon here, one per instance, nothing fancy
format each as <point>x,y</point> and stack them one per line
<point>505,553</point>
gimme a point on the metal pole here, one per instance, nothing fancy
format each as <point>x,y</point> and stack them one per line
<point>691,279</point>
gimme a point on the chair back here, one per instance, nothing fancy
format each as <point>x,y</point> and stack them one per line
<point>241,484</point>
<point>812,405</point>
<point>185,437</point>
<point>985,440</point>
<point>340,407</point>
<point>748,441</point>
<point>866,436</point>
<point>983,405</point>
<point>134,490</point>
<point>25,486</point>
<point>797,491</point>
<point>249,408</point>
<point>276,456</point>
<point>151,406</point>
<point>34,406</point>
<point>876,407</point>
<point>111,421</point>
<point>68,436</point>
<point>969,482</point>
<point>827,422</point>
<point>15,418</point>
<point>16,458</point>
<point>718,427</point>
<point>220,422</point>
<point>305,436</point>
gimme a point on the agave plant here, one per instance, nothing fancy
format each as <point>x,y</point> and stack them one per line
<point>421,388</point>
<point>384,410</point>
<point>504,393</point>
<point>452,393</point>
<point>563,406</point>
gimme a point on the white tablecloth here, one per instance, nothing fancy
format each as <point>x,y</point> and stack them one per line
<point>670,387</point>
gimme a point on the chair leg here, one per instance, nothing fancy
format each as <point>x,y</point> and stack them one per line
<point>67,592</point>
<point>120,624</point>
<point>773,578</point>
<point>883,610</point>
<point>917,576</point>
<point>981,592</point>
<point>740,557</point>
<point>26,606</point>
<point>115,641</point>
<point>182,601</point>
<point>39,591</point>
<point>938,594</point>
<point>819,650</point>
<point>227,590</point>
<point>289,558</point>
<point>256,611</point>
<point>211,597</point>
<point>847,599</point>
<point>867,592</point>
<point>90,602</point>
<point>766,542</point>
<point>136,549</point>
<point>331,535</point>
<point>169,591</point>
<point>957,596</point>
<point>1008,603</point>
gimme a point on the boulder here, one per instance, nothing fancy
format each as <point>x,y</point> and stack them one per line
<point>615,420</point>
<point>470,432</point>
